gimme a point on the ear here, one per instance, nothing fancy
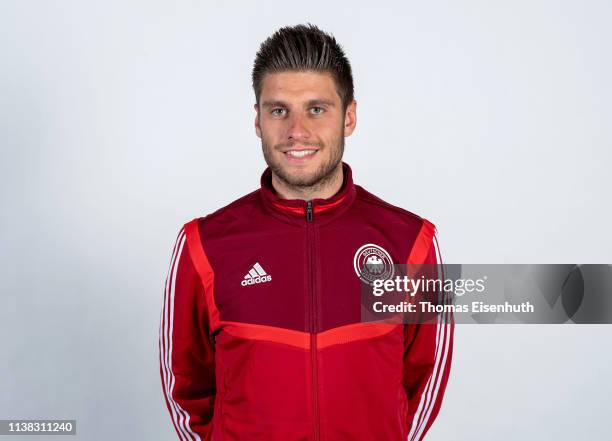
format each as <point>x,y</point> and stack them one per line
<point>257,126</point>
<point>350,118</point>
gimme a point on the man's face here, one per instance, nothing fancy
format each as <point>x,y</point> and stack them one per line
<point>302,126</point>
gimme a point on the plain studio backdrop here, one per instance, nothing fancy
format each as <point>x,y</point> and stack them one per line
<point>121,120</point>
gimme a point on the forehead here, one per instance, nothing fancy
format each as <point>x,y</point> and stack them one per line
<point>298,85</point>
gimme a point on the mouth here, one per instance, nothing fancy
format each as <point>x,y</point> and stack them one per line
<point>300,155</point>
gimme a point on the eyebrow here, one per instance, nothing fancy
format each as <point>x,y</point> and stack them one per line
<point>310,103</point>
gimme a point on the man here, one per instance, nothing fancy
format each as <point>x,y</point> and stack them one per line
<point>261,336</point>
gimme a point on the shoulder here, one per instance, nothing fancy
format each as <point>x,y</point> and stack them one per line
<point>377,206</point>
<point>229,219</point>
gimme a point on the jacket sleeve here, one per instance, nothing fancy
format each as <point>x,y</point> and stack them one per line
<point>186,348</point>
<point>428,351</point>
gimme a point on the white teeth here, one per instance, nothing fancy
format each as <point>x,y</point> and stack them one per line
<point>300,153</point>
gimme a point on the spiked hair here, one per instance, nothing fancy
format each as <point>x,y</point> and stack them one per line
<point>304,48</point>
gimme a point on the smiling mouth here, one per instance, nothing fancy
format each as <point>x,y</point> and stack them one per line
<point>298,154</point>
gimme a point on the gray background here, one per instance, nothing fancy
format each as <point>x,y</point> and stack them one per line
<point>121,120</point>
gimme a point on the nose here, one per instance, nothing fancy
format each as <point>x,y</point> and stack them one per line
<point>297,128</point>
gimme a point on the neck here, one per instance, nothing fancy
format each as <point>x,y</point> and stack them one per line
<point>324,189</point>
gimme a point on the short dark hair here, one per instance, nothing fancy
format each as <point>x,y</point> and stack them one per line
<point>303,48</point>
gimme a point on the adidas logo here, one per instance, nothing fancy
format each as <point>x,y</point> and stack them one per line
<point>256,275</point>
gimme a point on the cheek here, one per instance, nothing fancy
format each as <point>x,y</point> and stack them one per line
<point>271,138</point>
<point>272,129</point>
<point>330,134</point>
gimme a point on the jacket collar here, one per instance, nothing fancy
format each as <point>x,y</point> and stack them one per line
<point>295,210</point>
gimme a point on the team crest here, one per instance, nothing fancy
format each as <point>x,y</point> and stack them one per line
<point>372,262</point>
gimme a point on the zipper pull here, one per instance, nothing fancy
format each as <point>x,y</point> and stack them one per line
<point>309,211</point>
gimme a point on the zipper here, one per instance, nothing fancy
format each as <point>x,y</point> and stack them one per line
<point>309,211</point>
<point>313,322</point>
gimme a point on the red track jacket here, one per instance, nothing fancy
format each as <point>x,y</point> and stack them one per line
<point>261,335</point>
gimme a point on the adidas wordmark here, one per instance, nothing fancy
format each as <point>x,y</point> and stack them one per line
<point>256,275</point>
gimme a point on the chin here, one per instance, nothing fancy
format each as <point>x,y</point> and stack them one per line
<point>300,170</point>
<point>299,178</point>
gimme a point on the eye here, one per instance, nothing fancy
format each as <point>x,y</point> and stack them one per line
<point>317,110</point>
<point>278,111</point>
